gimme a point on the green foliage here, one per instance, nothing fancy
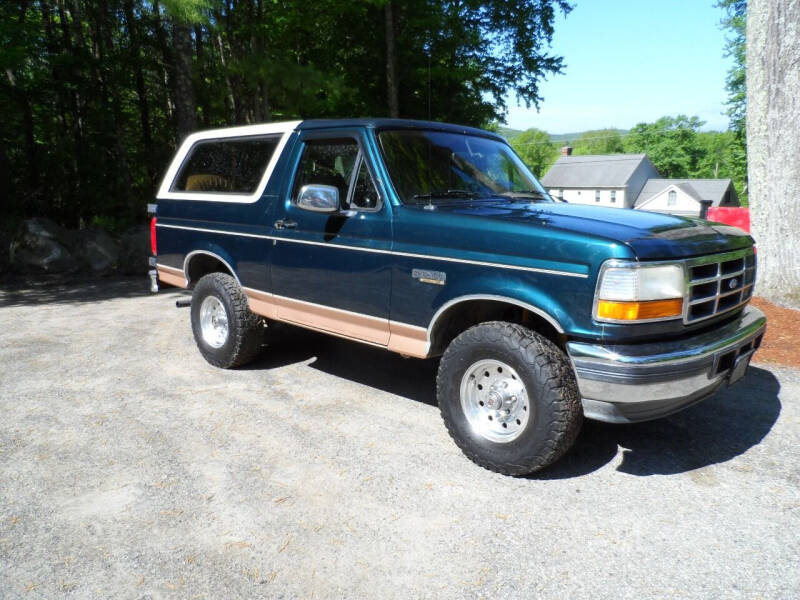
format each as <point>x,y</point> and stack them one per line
<point>670,142</point>
<point>94,94</point>
<point>536,150</point>
<point>735,21</point>
<point>600,141</point>
<point>722,156</point>
<point>188,11</point>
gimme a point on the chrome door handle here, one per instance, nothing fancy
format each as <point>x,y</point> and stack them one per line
<point>285,224</point>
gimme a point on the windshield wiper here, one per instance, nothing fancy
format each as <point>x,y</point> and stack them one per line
<point>446,194</point>
<point>530,194</point>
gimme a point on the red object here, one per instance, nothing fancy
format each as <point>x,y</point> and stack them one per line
<point>735,216</point>
<point>153,247</point>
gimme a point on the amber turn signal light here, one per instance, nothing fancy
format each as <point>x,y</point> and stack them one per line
<point>637,311</point>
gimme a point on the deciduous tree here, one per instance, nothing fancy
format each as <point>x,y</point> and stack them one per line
<point>536,150</point>
<point>600,141</point>
<point>670,142</point>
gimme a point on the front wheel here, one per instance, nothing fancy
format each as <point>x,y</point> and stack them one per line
<point>508,397</point>
<point>228,334</point>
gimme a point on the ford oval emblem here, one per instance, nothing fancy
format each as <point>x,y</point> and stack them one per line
<point>733,283</point>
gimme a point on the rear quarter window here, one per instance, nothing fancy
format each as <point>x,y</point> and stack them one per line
<point>226,165</point>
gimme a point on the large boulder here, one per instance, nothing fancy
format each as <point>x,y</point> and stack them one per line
<point>134,250</point>
<point>97,250</point>
<point>40,246</point>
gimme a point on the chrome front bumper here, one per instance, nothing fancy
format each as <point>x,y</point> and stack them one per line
<point>639,382</point>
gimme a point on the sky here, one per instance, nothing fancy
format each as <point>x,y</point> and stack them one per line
<point>632,61</point>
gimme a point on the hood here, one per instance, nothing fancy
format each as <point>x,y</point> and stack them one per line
<point>649,235</point>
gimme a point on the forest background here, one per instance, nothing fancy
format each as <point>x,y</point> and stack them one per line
<point>96,94</point>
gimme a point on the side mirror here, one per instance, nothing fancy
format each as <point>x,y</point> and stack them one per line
<point>319,198</point>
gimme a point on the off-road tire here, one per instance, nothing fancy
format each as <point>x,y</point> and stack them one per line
<point>245,328</point>
<point>550,384</point>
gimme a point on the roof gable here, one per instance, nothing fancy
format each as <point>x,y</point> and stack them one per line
<point>676,187</point>
<point>702,190</point>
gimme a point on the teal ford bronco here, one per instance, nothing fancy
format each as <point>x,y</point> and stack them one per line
<point>432,240</point>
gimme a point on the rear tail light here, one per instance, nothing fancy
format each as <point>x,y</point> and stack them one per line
<point>153,247</point>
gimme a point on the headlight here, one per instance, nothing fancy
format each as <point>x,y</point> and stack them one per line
<point>628,291</point>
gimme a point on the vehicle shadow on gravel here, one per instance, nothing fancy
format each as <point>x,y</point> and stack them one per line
<point>407,377</point>
<point>51,291</point>
<point>714,431</point>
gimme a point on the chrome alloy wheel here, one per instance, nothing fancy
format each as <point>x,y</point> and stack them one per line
<point>213,322</point>
<point>495,401</point>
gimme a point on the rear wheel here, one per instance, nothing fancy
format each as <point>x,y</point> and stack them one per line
<point>508,397</point>
<point>228,334</point>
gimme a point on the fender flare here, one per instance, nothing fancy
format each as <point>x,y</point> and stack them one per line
<point>491,297</point>
<point>189,256</point>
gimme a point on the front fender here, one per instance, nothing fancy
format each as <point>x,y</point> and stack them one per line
<point>552,297</point>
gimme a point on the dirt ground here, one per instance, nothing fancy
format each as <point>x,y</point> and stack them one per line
<point>781,343</point>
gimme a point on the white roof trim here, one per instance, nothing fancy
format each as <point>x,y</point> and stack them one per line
<point>285,128</point>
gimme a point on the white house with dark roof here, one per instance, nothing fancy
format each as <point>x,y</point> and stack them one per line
<point>632,181</point>
<point>690,197</point>
<point>602,180</point>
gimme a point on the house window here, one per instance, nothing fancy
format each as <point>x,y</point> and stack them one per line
<point>597,195</point>
<point>672,198</point>
<point>613,196</point>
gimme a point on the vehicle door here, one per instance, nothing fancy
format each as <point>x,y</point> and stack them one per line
<point>332,271</point>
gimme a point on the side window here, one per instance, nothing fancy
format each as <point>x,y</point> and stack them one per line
<point>365,196</point>
<point>327,162</point>
<point>231,166</point>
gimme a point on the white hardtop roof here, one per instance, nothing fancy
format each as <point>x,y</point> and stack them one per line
<point>285,129</point>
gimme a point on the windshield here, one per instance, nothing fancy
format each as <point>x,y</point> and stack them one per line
<point>429,165</point>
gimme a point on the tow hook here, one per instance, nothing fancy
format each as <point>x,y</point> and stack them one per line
<point>153,280</point>
<point>183,302</point>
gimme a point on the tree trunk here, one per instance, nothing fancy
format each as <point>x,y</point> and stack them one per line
<point>231,99</point>
<point>773,144</point>
<point>201,92</point>
<point>141,91</point>
<point>391,63</point>
<point>166,54</point>
<point>182,88</point>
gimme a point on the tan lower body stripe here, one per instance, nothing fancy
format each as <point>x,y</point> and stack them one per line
<point>402,338</point>
<point>409,340</point>
<point>171,275</point>
<point>398,337</point>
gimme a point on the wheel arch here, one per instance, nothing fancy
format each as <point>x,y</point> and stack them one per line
<point>198,263</point>
<point>461,313</point>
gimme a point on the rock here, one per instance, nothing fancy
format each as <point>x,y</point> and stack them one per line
<point>97,250</point>
<point>134,250</point>
<point>39,247</point>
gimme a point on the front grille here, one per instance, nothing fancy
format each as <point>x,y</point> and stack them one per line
<point>719,283</point>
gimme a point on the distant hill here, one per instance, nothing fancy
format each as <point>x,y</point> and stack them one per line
<point>510,134</point>
<point>571,137</point>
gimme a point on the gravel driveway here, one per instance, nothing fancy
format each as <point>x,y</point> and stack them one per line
<point>129,468</point>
